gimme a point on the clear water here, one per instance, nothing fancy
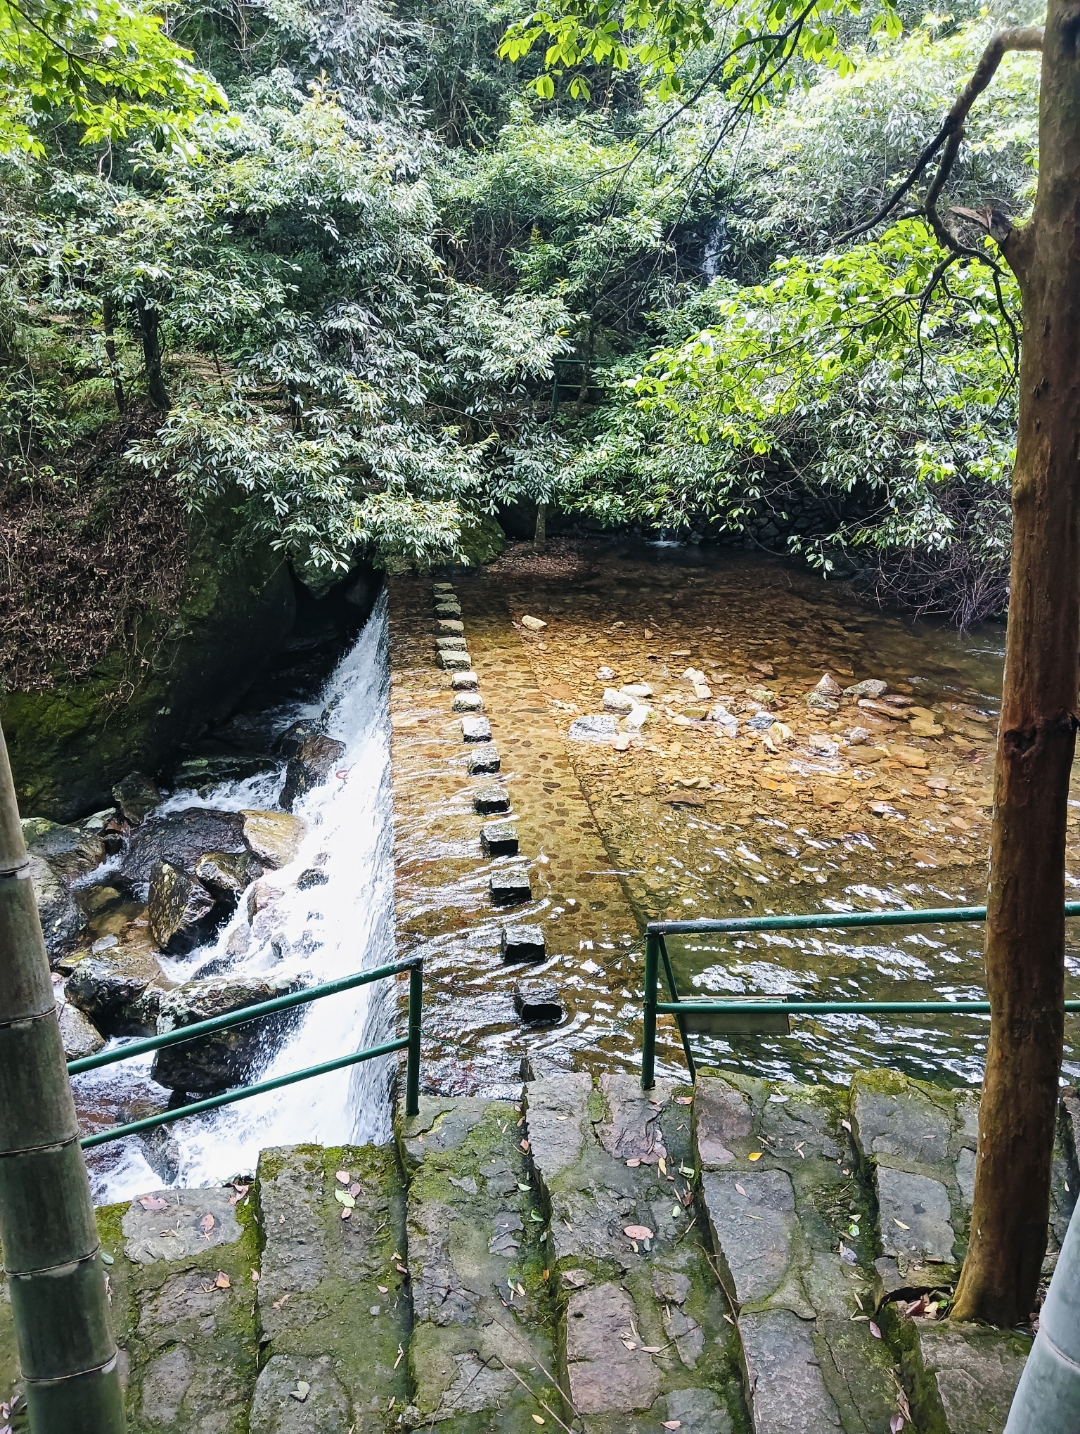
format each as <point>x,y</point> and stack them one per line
<point>332,930</point>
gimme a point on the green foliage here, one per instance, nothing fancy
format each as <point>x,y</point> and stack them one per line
<point>108,67</point>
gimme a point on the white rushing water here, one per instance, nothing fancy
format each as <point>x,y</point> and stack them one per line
<point>326,932</point>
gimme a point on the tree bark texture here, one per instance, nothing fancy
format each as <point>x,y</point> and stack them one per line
<point>150,329</point>
<point>1025,929</point>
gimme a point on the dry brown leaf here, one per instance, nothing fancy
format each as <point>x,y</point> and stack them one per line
<point>153,1202</point>
<point>207,1223</point>
<point>637,1232</point>
<point>222,1282</point>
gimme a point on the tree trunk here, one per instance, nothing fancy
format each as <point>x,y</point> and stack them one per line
<point>540,536</point>
<point>150,328</point>
<point>108,323</point>
<point>1025,929</point>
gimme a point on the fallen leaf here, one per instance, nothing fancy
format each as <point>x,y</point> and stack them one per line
<point>896,1423</point>
<point>343,1177</point>
<point>537,1420</point>
<point>301,1392</point>
<point>661,1165</point>
<point>633,1164</point>
<point>637,1232</point>
<point>223,1282</point>
<point>684,1100</point>
<point>525,1145</point>
<point>739,1188</point>
<point>874,1330</point>
<point>346,1213</point>
<point>400,1356</point>
<point>254,1277</point>
<point>676,1211</point>
<point>207,1223</point>
<point>106,1258</point>
<point>846,1124</point>
<point>901,1224</point>
<point>354,1189</point>
<point>383,1289</point>
<point>672,1424</point>
<point>757,1154</point>
<point>345,1198</point>
<point>401,1269</point>
<point>153,1202</point>
<point>917,1307</point>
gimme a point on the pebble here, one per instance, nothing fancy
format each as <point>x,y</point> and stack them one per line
<point>617,701</point>
<point>533,624</point>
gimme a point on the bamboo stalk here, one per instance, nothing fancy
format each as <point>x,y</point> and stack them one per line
<point>51,1253</point>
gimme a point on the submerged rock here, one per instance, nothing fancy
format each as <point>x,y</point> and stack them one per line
<point>538,1003</point>
<point>180,910</point>
<point>454,661</point>
<point>136,796</point>
<point>312,762</point>
<point>273,837</point>
<point>871,687</point>
<point>226,1058</point>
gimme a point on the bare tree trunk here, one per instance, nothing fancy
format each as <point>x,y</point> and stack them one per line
<point>150,328</point>
<point>1025,932</point>
<point>108,323</point>
<point>540,536</point>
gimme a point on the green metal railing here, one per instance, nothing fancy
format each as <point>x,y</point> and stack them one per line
<point>765,1011</point>
<point>410,1043</point>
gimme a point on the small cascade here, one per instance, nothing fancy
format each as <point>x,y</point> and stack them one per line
<point>323,931</point>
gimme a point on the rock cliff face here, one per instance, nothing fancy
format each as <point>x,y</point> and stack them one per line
<point>71,743</point>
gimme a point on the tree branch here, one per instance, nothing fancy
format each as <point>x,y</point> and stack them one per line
<point>950,134</point>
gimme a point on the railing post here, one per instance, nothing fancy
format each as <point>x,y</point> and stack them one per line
<point>56,1281</point>
<point>412,1066</point>
<point>648,1042</point>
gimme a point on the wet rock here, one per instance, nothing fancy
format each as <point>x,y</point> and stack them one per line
<point>273,837</point>
<point>605,1376</point>
<point>915,1216</point>
<point>181,1230</point>
<point>637,689</point>
<point>475,729</point>
<point>538,1003</point>
<point>312,762</point>
<point>448,607</point>
<point>499,839</point>
<point>321,1408</point>
<point>451,644</point>
<point>61,919</point>
<point>509,888</point>
<point>313,876</point>
<point>464,681</point>
<point>442,587</point>
<point>598,728</point>
<point>722,1122</point>
<point>79,1035</point>
<point>533,624</point>
<point>467,702</point>
<point>449,627</point>
<point>226,1058</point>
<point>261,895</point>
<point>697,1411</point>
<point>226,875</point>
<point>162,1152</point>
<point>871,687</point>
<point>615,701</point>
<point>136,796</point>
<point>454,661</point>
<point>71,851</point>
<point>484,760</point>
<point>120,998</point>
<point>182,839</point>
<point>755,1255</point>
<point>180,910</point>
<point>291,740</point>
<point>203,774</point>
<point>491,799</point>
<point>522,943</point>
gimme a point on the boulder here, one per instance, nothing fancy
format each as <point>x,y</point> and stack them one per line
<point>79,1035</point>
<point>71,851</point>
<point>61,919</point>
<point>227,1058</point>
<point>226,874</point>
<point>136,796</point>
<point>182,839</point>
<point>313,761</point>
<point>203,774</point>
<point>180,910</point>
<point>119,995</point>
<point>274,837</point>
<point>289,742</point>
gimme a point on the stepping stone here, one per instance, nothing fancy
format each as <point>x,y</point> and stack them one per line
<point>963,1377</point>
<point>449,627</point>
<point>538,1003</point>
<point>475,729</point>
<point>454,661</point>
<point>491,799</point>
<point>475,1239</point>
<point>484,760</point>
<point>464,681</point>
<point>522,943</point>
<point>314,1259</point>
<point>510,888</point>
<point>468,702</point>
<point>499,839</point>
<point>450,644</point>
<point>442,587</point>
<point>447,609</point>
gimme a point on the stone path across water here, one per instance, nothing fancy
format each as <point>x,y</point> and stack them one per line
<point>715,1260</point>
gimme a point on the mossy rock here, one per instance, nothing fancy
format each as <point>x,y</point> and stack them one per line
<point>482,541</point>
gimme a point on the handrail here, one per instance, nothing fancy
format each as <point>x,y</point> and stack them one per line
<point>414,965</point>
<point>656,951</point>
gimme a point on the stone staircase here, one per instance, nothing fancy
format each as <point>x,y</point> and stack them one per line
<point>742,1256</point>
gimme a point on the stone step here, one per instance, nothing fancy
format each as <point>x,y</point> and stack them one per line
<point>481,1357</point>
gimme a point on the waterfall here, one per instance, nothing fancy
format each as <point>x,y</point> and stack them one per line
<point>327,931</point>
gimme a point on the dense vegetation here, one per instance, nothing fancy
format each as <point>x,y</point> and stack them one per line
<point>337,305</point>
